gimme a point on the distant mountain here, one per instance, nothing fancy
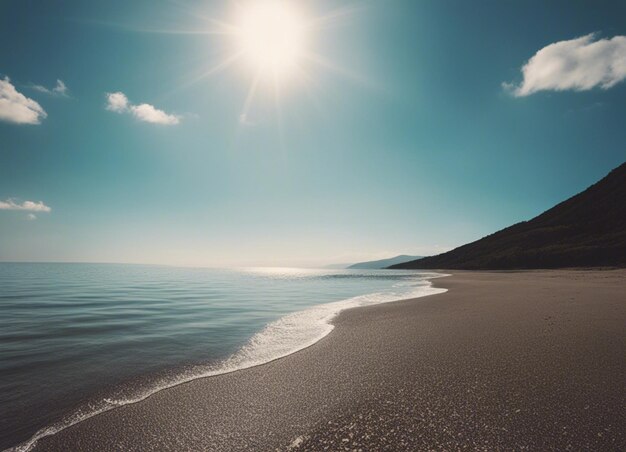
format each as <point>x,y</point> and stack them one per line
<point>336,266</point>
<point>384,263</point>
<point>587,230</point>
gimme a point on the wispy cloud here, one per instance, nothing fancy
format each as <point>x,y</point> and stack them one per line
<point>17,108</point>
<point>27,206</point>
<point>578,64</point>
<point>119,103</point>
<point>245,120</point>
<point>60,89</point>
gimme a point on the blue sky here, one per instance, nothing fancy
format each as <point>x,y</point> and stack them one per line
<point>418,133</point>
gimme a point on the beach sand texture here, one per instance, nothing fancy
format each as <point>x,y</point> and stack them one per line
<point>503,360</point>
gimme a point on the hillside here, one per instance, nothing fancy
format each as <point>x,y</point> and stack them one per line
<point>587,230</point>
<point>384,263</point>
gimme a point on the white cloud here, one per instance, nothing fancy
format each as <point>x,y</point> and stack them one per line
<point>119,103</point>
<point>31,216</point>
<point>59,90</point>
<point>17,108</point>
<point>578,64</point>
<point>29,206</point>
<point>146,112</point>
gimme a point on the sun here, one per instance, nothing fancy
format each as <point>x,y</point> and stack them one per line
<point>276,46</point>
<point>271,36</point>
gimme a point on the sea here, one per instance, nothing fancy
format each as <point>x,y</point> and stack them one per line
<point>80,339</point>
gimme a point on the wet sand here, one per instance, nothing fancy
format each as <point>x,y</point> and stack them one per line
<point>503,360</point>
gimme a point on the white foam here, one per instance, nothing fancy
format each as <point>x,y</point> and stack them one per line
<point>302,329</point>
<point>287,335</point>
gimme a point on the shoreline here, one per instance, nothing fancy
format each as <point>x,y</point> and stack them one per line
<point>312,387</point>
<point>237,362</point>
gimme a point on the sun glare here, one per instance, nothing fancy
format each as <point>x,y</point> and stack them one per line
<point>275,43</point>
<point>271,36</point>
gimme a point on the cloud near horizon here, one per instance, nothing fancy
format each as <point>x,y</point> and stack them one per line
<point>578,64</point>
<point>26,206</point>
<point>118,102</point>
<point>60,89</point>
<point>17,108</point>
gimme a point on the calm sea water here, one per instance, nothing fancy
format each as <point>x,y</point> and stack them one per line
<point>78,339</point>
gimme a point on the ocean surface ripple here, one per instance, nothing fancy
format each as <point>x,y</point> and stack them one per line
<point>81,339</point>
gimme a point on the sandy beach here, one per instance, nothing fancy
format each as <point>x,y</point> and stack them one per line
<point>503,360</point>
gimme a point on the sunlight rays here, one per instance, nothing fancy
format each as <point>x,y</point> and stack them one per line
<point>337,15</point>
<point>245,113</point>
<point>272,40</point>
